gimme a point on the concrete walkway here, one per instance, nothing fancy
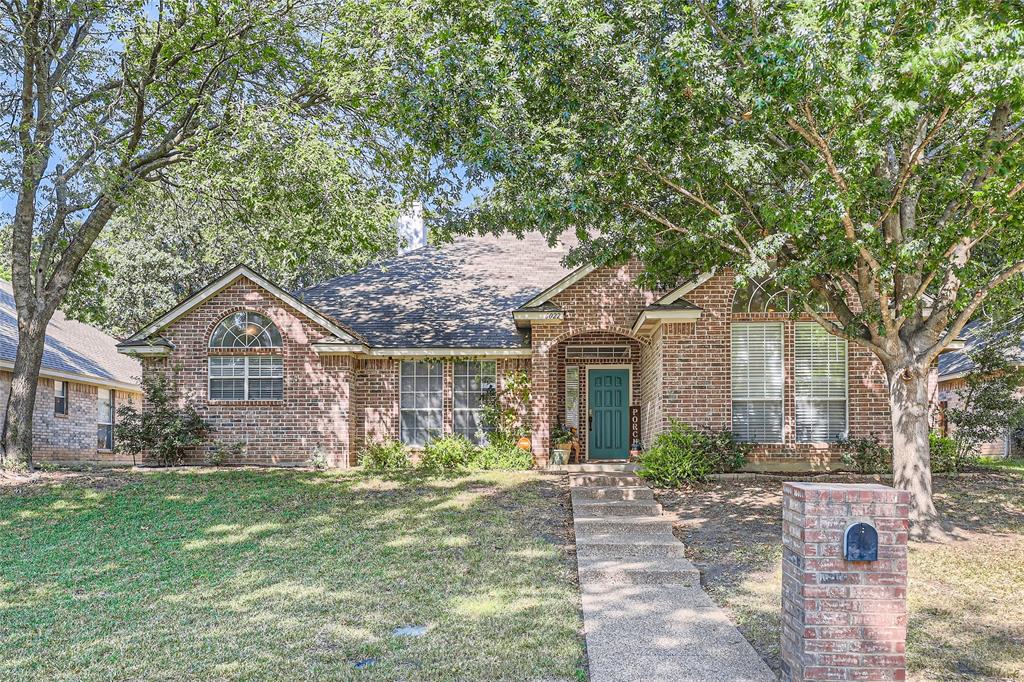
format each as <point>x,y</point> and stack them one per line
<point>644,613</point>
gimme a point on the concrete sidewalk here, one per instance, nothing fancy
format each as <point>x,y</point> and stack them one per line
<point>644,613</point>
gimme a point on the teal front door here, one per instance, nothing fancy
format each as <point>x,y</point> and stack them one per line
<point>608,408</point>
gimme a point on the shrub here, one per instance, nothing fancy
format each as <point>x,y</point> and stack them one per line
<point>502,454</point>
<point>318,459</point>
<point>684,454</point>
<point>221,452</point>
<point>866,455</point>
<point>450,453</point>
<point>389,455</point>
<point>946,456</point>
<point>163,429</point>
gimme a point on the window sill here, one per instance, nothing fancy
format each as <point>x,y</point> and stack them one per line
<point>60,415</point>
<point>245,403</point>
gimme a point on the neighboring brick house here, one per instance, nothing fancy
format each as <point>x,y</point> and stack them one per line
<point>404,350</point>
<point>953,369</point>
<point>82,382</point>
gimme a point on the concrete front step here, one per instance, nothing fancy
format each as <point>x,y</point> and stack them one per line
<point>612,546</point>
<point>604,480</point>
<point>604,508</point>
<point>638,571</point>
<point>597,467</point>
<point>637,526</point>
<point>639,492</point>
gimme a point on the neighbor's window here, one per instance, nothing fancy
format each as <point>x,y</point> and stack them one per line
<point>757,382</point>
<point>105,419</point>
<point>473,380</point>
<point>820,384</point>
<point>420,401</point>
<point>243,376</point>
<point>60,397</point>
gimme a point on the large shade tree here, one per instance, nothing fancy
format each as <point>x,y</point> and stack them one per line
<point>867,152</point>
<point>103,99</point>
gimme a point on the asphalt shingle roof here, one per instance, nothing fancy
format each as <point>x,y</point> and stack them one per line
<point>460,295</point>
<point>71,347</point>
<point>958,362</point>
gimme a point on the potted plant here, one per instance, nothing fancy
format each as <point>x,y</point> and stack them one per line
<point>562,437</point>
<point>635,449</point>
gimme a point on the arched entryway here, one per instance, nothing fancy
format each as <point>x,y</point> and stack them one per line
<point>596,382</point>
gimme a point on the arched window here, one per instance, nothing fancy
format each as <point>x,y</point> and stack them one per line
<point>254,375</point>
<point>766,296</point>
<point>245,329</point>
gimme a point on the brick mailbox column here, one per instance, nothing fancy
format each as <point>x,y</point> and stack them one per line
<point>843,620</point>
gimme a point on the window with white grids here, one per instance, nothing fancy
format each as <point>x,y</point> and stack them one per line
<point>820,384</point>
<point>246,377</point>
<point>105,419</point>
<point>757,382</point>
<point>420,401</point>
<point>60,397</point>
<point>597,352</point>
<point>473,380</point>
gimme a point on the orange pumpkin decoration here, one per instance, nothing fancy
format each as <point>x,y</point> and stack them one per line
<point>523,444</point>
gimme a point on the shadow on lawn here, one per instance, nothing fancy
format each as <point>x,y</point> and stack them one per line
<point>277,574</point>
<point>965,594</point>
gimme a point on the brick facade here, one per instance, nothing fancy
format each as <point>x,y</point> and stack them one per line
<point>843,620</point>
<point>336,405</point>
<point>70,437</point>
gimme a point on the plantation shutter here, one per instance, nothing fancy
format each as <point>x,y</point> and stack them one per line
<point>757,382</point>
<point>820,384</point>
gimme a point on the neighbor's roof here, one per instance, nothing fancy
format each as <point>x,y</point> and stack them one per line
<point>460,295</point>
<point>73,349</point>
<point>957,363</point>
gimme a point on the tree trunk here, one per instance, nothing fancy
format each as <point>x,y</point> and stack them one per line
<point>17,427</point>
<point>911,459</point>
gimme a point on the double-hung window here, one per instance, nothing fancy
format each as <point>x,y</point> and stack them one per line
<point>60,397</point>
<point>473,380</point>
<point>757,381</point>
<point>242,375</point>
<point>820,377</point>
<point>105,419</point>
<point>420,401</point>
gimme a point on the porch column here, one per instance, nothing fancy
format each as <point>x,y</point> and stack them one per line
<point>542,387</point>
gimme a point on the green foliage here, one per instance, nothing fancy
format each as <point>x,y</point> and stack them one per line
<point>389,455</point>
<point>506,412</point>
<point>503,455</point>
<point>562,434</point>
<point>318,459</point>
<point>163,429</point>
<point>866,455</point>
<point>447,455</point>
<point>991,401</point>
<point>221,453</point>
<point>946,456</point>
<point>684,454</point>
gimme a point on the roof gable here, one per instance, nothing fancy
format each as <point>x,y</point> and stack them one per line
<point>221,283</point>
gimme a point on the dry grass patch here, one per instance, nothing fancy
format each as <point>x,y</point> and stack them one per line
<point>966,596</point>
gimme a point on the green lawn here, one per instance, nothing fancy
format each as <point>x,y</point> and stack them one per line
<point>1000,463</point>
<point>271,574</point>
<point>965,596</point>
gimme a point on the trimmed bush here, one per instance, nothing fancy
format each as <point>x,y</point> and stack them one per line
<point>503,455</point>
<point>866,455</point>
<point>443,455</point>
<point>946,456</point>
<point>683,454</point>
<point>389,455</point>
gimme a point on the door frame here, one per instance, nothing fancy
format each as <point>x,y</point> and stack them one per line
<point>586,397</point>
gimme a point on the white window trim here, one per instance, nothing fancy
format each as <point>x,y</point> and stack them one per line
<point>420,409</point>
<point>108,414</point>
<point>782,399</point>
<point>245,379</point>
<point>591,351</point>
<point>796,397</point>
<point>63,394</point>
<point>455,408</point>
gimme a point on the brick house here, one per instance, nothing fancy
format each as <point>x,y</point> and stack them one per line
<point>954,368</point>
<point>82,381</point>
<point>404,349</point>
